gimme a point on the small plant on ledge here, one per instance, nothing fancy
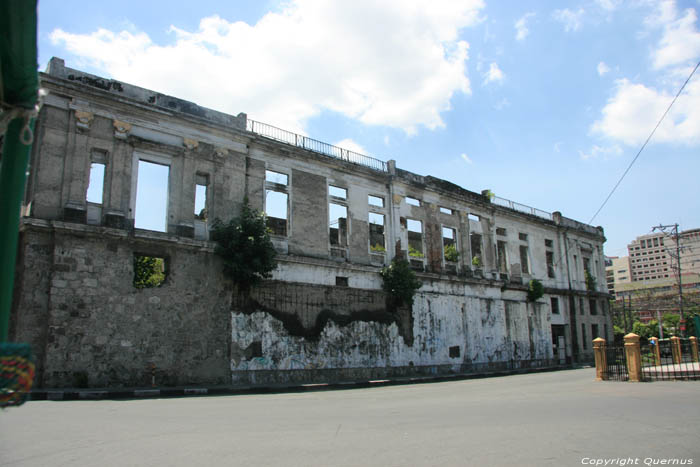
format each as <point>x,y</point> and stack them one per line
<point>451,253</point>
<point>476,261</point>
<point>400,282</point>
<point>535,290</point>
<point>244,245</point>
<point>413,253</point>
<point>377,248</point>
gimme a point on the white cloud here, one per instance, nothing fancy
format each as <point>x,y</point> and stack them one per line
<point>680,42</point>
<point>310,56</point>
<point>635,108</point>
<point>521,30</point>
<point>608,5</point>
<point>632,113</point>
<point>570,19</point>
<point>601,151</point>
<point>466,159</point>
<point>602,68</point>
<point>348,143</point>
<point>494,75</point>
<point>557,146</point>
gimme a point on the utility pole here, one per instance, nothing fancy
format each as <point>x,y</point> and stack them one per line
<point>674,234</point>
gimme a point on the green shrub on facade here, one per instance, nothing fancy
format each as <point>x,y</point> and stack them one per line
<point>535,290</point>
<point>244,245</point>
<point>400,282</point>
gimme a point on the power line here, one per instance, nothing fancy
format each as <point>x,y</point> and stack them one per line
<point>644,145</point>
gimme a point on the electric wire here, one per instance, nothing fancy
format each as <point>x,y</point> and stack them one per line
<point>644,145</point>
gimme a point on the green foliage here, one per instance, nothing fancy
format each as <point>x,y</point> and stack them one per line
<point>590,281</point>
<point>377,248</point>
<point>672,322</point>
<point>245,246</point>
<point>149,271</point>
<point>412,252</point>
<point>451,253</point>
<point>400,282</point>
<point>535,290</point>
<point>476,261</point>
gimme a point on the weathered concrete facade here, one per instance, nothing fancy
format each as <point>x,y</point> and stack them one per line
<point>323,315</point>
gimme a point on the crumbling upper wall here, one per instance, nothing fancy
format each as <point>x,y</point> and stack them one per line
<point>57,69</point>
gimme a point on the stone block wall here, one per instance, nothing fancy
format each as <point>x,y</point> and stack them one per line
<point>90,326</point>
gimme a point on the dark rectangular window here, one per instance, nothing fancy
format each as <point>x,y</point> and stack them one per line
<point>555,305</point>
<point>550,264</point>
<point>593,306</point>
<point>524,261</point>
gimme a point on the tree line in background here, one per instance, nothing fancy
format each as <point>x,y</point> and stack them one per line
<point>626,319</point>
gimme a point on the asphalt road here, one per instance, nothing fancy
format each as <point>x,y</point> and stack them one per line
<point>559,418</point>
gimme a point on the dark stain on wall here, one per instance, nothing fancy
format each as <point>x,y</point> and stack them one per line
<point>302,316</point>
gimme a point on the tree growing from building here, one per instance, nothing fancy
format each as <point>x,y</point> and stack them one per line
<point>246,249</point>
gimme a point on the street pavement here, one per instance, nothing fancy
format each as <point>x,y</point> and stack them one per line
<point>556,418</point>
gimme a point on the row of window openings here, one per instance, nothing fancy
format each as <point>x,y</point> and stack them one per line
<point>152,192</point>
<point>592,305</point>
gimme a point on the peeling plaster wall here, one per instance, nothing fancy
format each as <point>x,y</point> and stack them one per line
<point>488,330</point>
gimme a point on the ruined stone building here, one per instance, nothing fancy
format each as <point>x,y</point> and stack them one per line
<point>336,218</point>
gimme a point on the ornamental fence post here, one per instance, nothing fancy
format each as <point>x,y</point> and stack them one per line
<point>600,359</point>
<point>633,356</point>
<point>694,348</point>
<point>676,349</point>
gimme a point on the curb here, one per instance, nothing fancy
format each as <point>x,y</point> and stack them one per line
<point>158,393</point>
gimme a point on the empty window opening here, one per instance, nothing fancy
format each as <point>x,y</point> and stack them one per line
<point>524,262</point>
<point>501,231</point>
<point>475,241</point>
<point>338,225</point>
<point>276,211</point>
<point>276,177</point>
<point>555,305</point>
<point>152,196</point>
<point>593,307</point>
<point>200,197</point>
<point>550,264</point>
<point>337,192</point>
<point>474,217</point>
<point>595,333</point>
<point>449,244</point>
<point>549,243</point>
<point>446,211</point>
<point>412,201</point>
<point>376,233</point>
<point>149,271</point>
<point>501,256</point>
<point>375,201</point>
<point>522,236</point>
<point>415,238</point>
<point>96,183</point>
<point>584,339</point>
<point>341,281</point>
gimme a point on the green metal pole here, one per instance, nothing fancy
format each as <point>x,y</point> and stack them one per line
<point>13,176</point>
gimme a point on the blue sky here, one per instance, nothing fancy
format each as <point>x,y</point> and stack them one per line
<point>545,103</point>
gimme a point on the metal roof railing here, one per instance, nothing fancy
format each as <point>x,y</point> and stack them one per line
<point>310,144</point>
<point>521,207</point>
